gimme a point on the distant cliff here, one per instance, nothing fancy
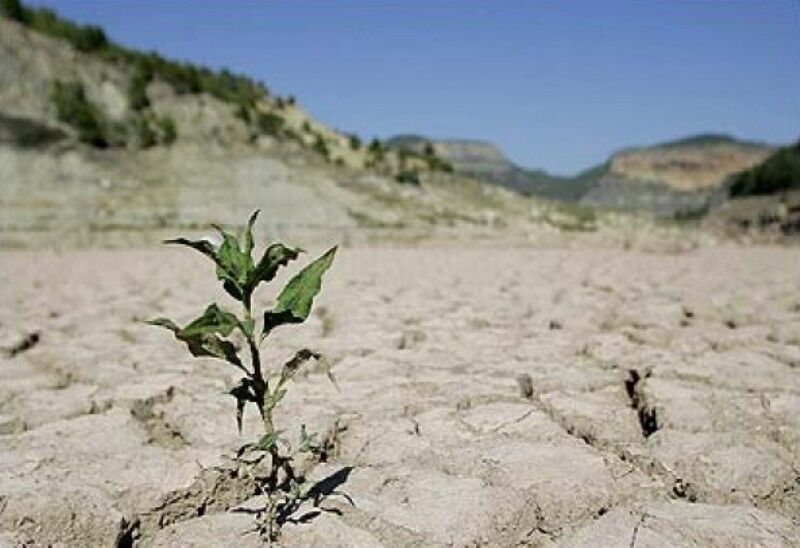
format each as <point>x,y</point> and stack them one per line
<point>670,179</point>
<point>677,178</point>
<point>483,160</point>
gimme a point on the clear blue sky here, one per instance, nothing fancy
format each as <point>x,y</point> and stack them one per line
<point>556,84</point>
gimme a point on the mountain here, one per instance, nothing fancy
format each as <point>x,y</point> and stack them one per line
<point>104,144</point>
<point>765,197</point>
<point>486,162</point>
<point>676,178</point>
<point>780,172</point>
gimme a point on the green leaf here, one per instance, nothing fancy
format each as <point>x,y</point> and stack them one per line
<point>267,441</point>
<point>300,357</point>
<point>234,266</point>
<point>308,443</point>
<point>203,246</point>
<point>247,237</point>
<point>248,327</point>
<point>164,322</point>
<point>213,320</point>
<point>294,303</point>
<point>274,257</point>
<point>201,337</point>
<point>211,345</point>
<point>272,400</point>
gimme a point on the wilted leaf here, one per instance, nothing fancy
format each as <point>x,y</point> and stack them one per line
<point>213,320</point>
<point>211,345</point>
<point>203,246</point>
<point>300,357</point>
<point>294,303</point>
<point>247,238</point>
<point>243,392</point>
<point>200,335</point>
<point>164,322</point>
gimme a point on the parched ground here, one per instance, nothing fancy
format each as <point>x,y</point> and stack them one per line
<point>490,396</point>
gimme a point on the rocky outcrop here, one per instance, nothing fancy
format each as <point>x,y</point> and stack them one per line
<point>486,162</point>
<point>676,179</point>
<point>695,164</point>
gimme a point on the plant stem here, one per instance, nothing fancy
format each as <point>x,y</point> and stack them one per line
<point>260,384</point>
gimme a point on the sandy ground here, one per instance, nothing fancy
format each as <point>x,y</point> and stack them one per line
<point>664,407</point>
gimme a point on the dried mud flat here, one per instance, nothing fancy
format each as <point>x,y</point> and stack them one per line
<point>491,396</point>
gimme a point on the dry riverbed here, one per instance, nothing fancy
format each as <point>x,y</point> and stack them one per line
<point>490,396</point>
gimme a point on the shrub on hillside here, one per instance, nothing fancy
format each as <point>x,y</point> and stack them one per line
<point>169,132</point>
<point>144,135</point>
<point>436,163</point>
<point>183,77</point>
<point>137,88</point>
<point>84,37</point>
<point>779,172</point>
<point>376,149</point>
<point>408,177</point>
<point>74,109</point>
<point>243,113</point>
<point>321,147</point>
<point>13,10</point>
<point>270,123</point>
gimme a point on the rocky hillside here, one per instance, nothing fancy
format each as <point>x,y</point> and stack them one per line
<point>696,163</point>
<point>484,161</point>
<point>101,144</point>
<point>678,178</point>
<point>765,198</point>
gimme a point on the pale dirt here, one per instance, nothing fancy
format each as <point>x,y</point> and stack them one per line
<point>106,422</point>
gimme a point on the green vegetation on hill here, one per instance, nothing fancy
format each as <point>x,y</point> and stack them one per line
<point>74,109</point>
<point>702,139</point>
<point>83,37</point>
<point>143,128</point>
<point>780,172</point>
<point>183,77</point>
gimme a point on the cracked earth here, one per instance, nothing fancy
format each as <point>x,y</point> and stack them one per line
<point>487,396</point>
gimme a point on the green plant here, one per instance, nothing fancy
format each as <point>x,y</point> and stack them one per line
<point>321,147</point>
<point>778,173</point>
<point>270,123</point>
<point>144,135</point>
<point>13,10</point>
<point>74,109</point>
<point>169,133</point>
<point>209,335</point>
<point>137,88</point>
<point>408,177</point>
<point>242,112</point>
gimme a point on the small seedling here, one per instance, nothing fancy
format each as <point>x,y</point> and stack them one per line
<point>209,336</point>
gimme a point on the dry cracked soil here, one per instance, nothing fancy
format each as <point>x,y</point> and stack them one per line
<point>490,396</point>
